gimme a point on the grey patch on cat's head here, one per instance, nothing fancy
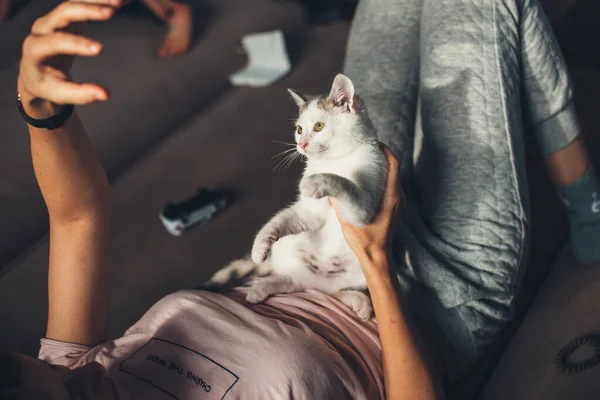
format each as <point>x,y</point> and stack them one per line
<point>325,103</point>
<point>341,96</point>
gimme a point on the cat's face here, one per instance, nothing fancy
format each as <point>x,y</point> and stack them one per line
<point>328,127</point>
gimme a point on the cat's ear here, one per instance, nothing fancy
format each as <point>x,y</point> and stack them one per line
<point>298,97</point>
<point>342,92</point>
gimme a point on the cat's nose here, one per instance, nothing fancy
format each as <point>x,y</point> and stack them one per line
<point>304,145</point>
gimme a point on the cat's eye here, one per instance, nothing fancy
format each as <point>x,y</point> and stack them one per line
<point>299,129</point>
<point>319,126</point>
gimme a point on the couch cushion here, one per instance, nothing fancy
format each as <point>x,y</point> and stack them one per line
<point>228,146</point>
<point>151,97</point>
<point>568,306</point>
<point>17,26</point>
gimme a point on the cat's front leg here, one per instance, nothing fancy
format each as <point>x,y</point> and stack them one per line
<point>265,287</point>
<point>317,186</point>
<point>278,227</point>
<point>263,242</point>
<point>290,221</point>
<point>355,204</point>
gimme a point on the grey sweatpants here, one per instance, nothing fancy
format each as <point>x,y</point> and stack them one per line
<point>450,86</point>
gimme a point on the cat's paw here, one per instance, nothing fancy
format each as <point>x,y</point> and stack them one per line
<point>258,293</point>
<point>262,246</point>
<point>315,186</point>
<point>263,288</point>
<point>359,302</point>
<point>236,270</point>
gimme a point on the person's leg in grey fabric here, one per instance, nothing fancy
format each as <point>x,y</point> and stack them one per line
<point>552,113</point>
<point>465,225</point>
<point>383,57</point>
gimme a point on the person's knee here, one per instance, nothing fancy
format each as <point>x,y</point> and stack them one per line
<point>486,318</point>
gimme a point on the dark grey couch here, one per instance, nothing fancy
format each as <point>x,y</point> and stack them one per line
<point>174,126</point>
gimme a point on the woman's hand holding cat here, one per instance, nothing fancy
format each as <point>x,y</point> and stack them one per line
<point>371,242</point>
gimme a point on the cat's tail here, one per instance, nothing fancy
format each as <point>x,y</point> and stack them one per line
<point>236,271</point>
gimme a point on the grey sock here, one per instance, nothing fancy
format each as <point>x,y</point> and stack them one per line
<point>582,199</point>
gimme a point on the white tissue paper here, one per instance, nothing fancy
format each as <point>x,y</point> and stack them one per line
<point>268,60</point>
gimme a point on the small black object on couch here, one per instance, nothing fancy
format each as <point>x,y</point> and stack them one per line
<point>198,210</point>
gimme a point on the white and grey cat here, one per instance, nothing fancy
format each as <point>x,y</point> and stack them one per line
<point>302,246</point>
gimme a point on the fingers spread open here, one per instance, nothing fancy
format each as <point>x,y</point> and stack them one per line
<point>64,92</point>
<point>69,12</point>
<point>43,47</point>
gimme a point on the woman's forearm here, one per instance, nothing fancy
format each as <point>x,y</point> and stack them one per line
<point>77,194</point>
<point>72,181</point>
<point>408,373</point>
<point>70,177</point>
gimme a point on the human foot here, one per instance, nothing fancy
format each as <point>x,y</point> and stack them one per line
<point>585,238</point>
<point>582,200</point>
<point>4,8</point>
<point>179,31</point>
<point>585,231</point>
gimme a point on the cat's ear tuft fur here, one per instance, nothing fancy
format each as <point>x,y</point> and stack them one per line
<point>298,97</point>
<point>342,92</point>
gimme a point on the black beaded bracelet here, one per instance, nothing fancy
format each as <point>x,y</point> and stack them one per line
<point>51,123</point>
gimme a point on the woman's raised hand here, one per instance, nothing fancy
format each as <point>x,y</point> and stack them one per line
<point>48,52</point>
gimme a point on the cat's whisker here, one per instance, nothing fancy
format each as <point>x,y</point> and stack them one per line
<point>291,160</point>
<point>291,147</point>
<point>285,143</point>
<point>277,165</point>
<point>282,154</point>
<point>284,164</point>
<point>281,162</point>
